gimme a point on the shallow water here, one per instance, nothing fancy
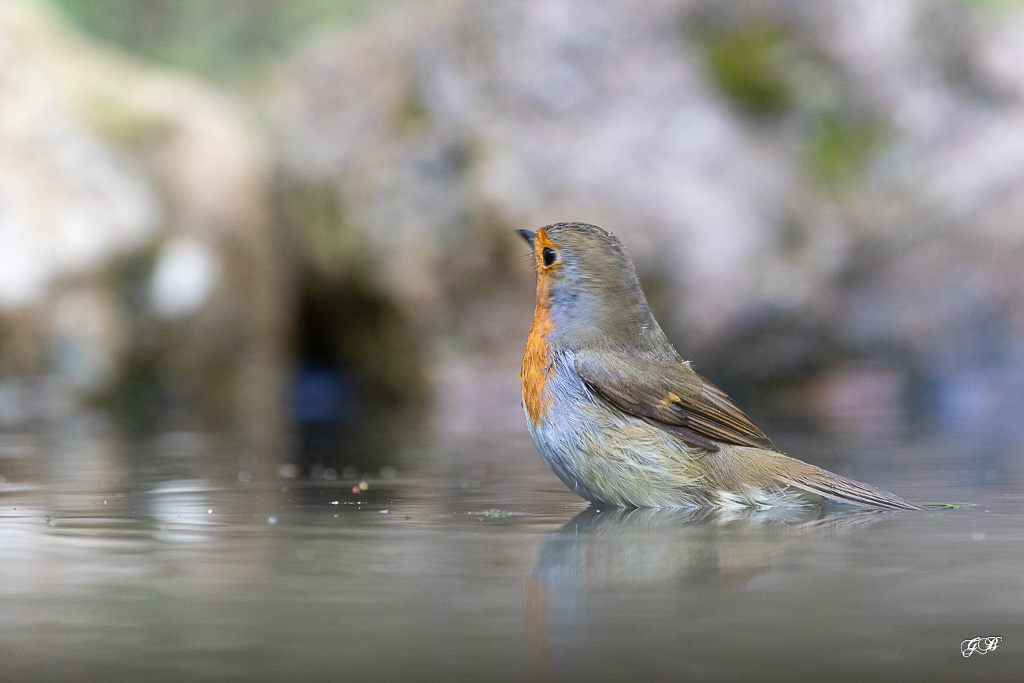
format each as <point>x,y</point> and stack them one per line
<point>154,562</point>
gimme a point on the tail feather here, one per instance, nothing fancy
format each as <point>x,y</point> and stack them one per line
<point>824,483</point>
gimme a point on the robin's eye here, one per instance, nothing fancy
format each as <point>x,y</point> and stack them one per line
<point>549,256</point>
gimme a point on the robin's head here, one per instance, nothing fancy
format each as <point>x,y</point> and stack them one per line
<point>587,283</point>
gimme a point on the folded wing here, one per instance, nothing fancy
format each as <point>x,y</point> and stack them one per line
<point>672,396</point>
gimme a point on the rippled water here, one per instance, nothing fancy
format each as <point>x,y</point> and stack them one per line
<point>155,562</point>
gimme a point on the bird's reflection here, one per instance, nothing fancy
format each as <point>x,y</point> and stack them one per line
<point>691,545</point>
<point>603,555</point>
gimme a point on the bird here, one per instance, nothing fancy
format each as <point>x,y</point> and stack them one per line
<point>621,418</point>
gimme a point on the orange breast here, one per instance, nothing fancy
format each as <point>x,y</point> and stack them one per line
<point>537,361</point>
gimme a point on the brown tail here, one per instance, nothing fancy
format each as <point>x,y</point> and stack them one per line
<point>824,483</point>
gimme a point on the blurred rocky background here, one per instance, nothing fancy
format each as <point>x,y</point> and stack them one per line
<point>286,218</point>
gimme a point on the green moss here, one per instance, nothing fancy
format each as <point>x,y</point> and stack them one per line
<point>494,512</point>
<point>837,148</point>
<point>223,39</point>
<point>750,63</point>
<point>114,118</point>
<point>314,215</point>
<point>413,119</point>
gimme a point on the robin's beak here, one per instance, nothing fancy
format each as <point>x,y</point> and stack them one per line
<point>527,235</point>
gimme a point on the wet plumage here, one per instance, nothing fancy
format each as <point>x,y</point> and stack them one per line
<point>620,417</point>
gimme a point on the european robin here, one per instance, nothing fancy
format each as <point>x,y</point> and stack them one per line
<point>620,417</point>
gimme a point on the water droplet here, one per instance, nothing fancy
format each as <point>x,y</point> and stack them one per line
<point>271,520</point>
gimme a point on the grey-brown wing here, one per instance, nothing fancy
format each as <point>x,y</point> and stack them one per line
<point>673,397</point>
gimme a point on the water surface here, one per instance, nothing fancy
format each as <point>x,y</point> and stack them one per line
<point>172,561</point>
